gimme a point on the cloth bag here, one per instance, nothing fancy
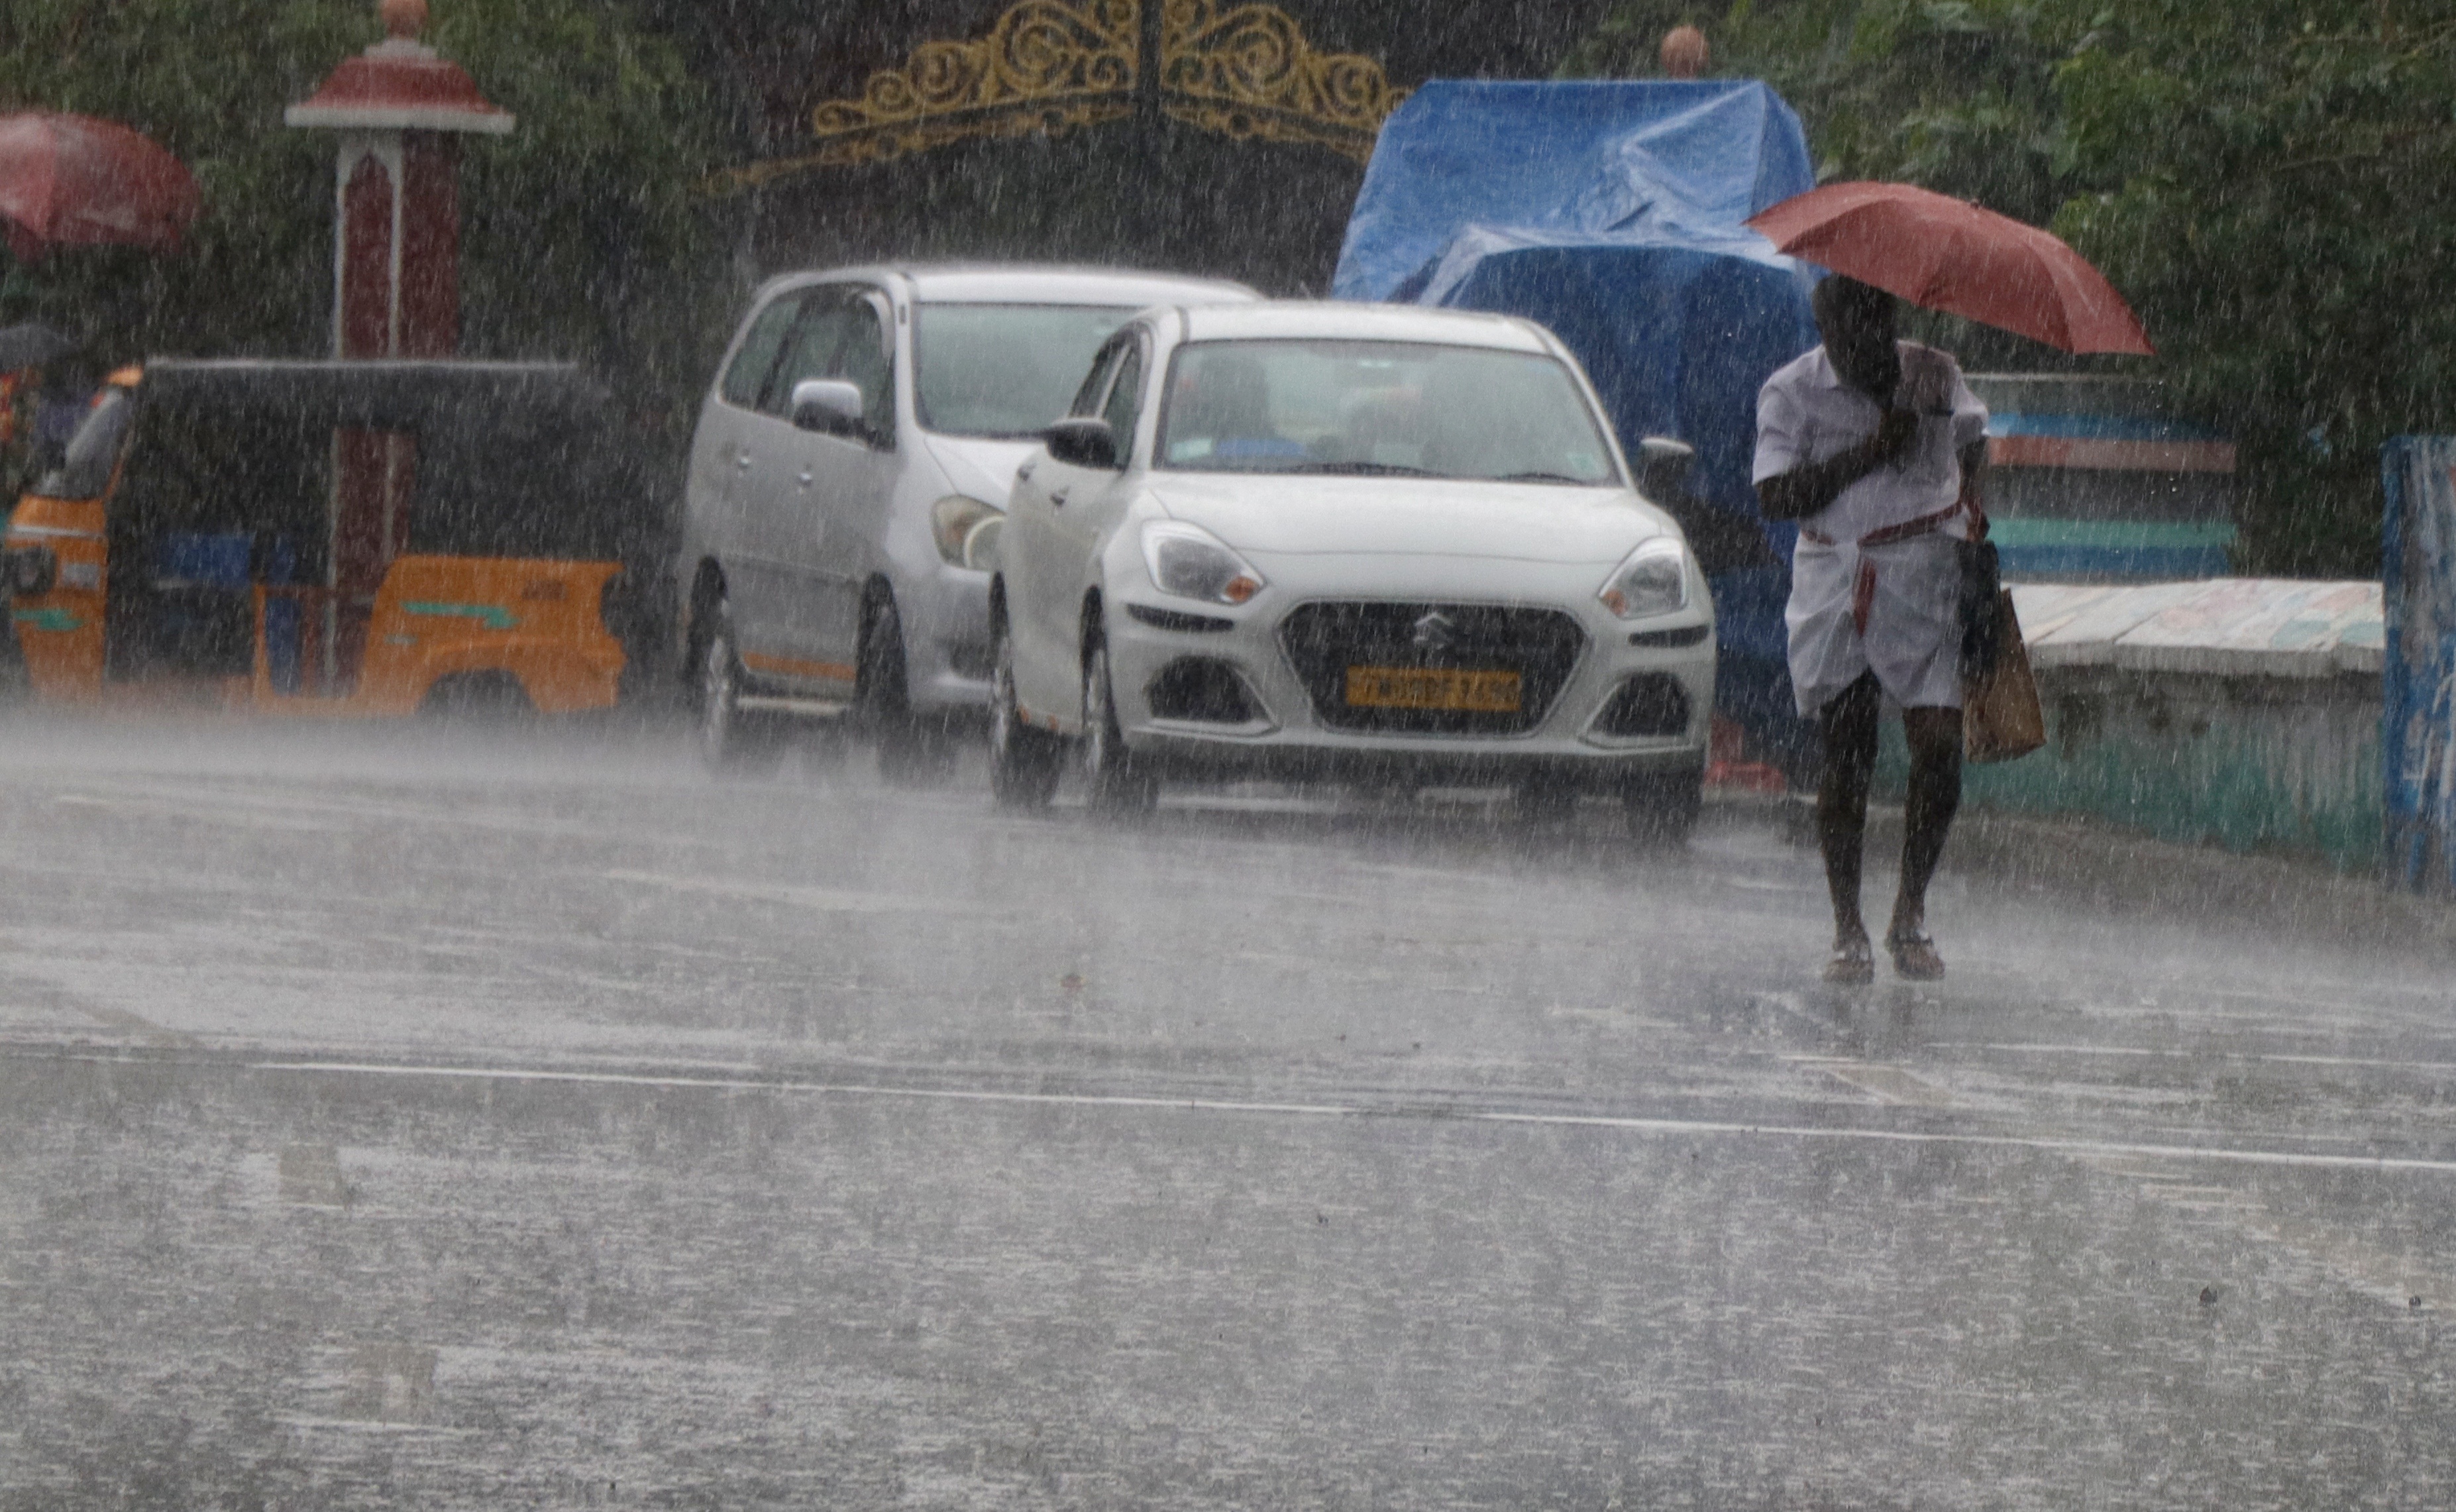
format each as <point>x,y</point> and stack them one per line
<point>2001,716</point>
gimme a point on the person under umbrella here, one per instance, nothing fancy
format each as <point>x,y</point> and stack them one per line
<point>1870,443</point>
<point>1874,445</point>
<point>25,348</point>
<point>47,387</point>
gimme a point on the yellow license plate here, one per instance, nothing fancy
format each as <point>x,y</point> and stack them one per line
<point>1432,687</point>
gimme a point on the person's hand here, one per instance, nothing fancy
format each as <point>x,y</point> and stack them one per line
<point>1895,430</point>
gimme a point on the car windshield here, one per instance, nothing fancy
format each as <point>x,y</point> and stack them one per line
<point>85,470</point>
<point>1379,407</point>
<point>1003,369</point>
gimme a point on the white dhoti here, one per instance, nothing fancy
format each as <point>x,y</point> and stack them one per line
<point>1889,608</point>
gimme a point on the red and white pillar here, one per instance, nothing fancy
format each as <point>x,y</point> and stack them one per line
<point>399,109</point>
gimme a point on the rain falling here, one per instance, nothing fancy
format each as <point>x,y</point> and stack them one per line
<point>1201,753</point>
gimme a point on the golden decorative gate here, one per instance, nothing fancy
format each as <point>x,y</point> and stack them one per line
<point>1245,71</point>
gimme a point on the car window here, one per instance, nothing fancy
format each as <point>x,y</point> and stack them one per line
<point>1126,397</point>
<point>808,352</point>
<point>865,360</point>
<point>1005,369</point>
<point>1339,406</point>
<point>1096,383</point>
<point>745,380</point>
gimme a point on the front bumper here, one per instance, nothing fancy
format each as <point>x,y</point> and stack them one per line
<point>1158,649</point>
<point>947,640</point>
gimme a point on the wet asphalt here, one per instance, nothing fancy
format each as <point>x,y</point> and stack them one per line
<point>466,1118</point>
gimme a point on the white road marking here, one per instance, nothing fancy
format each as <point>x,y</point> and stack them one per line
<point>121,1018</point>
<point>1888,1084</point>
<point>2051,1143</point>
<point>825,900</point>
<point>2151,1052</point>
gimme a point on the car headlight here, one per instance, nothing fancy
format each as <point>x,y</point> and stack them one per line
<point>965,529</point>
<point>1190,562</point>
<point>1653,580</point>
<point>981,541</point>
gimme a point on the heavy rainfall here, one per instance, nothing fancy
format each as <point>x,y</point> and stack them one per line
<point>1187,753</point>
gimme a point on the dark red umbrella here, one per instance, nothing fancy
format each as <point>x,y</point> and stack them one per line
<point>1950,254</point>
<point>72,180</point>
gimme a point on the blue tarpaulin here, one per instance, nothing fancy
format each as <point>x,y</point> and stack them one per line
<point>1611,213</point>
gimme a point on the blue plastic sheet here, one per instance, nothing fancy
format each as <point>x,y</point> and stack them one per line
<point>1679,162</point>
<point>1611,213</point>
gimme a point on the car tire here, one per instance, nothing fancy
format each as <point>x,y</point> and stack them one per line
<point>1023,761</point>
<point>913,750</point>
<point>731,739</point>
<point>1663,806</point>
<point>1114,782</point>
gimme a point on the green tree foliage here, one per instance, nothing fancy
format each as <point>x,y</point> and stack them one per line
<point>582,238</point>
<point>2272,185</point>
<point>2268,182</point>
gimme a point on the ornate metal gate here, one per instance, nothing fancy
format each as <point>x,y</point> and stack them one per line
<point>1050,66</point>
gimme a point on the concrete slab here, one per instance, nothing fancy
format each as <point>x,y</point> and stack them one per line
<point>2221,627</point>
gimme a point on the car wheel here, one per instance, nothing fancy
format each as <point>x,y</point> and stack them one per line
<point>1023,761</point>
<point>911,750</point>
<point>1114,781</point>
<point>731,739</point>
<point>1663,806</point>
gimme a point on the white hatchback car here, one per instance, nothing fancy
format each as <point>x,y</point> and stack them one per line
<point>847,475</point>
<point>1354,543</point>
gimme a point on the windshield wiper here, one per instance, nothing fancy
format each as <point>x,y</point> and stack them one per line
<point>1541,478</point>
<point>1365,469</point>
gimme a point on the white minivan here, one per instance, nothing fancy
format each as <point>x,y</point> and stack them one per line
<point>849,477</point>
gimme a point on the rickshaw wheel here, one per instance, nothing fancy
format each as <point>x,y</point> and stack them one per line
<point>731,739</point>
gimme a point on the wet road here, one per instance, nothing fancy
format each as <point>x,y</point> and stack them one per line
<point>437,1120</point>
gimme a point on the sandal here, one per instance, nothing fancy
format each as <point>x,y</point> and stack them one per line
<point>1914,957</point>
<point>1853,964</point>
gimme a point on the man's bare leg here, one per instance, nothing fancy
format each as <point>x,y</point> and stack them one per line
<point>1934,737</point>
<point>1847,724</point>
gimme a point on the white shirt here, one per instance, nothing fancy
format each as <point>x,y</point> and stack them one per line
<point>1892,608</point>
<point>1807,414</point>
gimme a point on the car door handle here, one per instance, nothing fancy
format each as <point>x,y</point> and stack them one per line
<point>1057,497</point>
<point>806,477</point>
<point>742,461</point>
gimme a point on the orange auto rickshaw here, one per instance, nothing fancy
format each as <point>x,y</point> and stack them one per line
<point>337,538</point>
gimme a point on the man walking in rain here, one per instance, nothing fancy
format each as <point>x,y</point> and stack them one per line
<point>1874,445</point>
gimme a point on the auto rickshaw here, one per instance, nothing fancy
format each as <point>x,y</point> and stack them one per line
<point>336,538</point>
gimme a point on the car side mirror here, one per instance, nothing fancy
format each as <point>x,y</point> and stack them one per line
<point>1662,468</point>
<point>830,406</point>
<point>1084,442</point>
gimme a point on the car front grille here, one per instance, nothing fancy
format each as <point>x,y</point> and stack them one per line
<point>1324,641</point>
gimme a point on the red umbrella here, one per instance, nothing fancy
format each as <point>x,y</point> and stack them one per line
<point>72,180</point>
<point>1950,254</point>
